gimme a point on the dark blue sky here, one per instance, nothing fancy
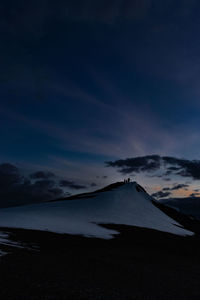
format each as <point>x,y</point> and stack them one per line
<point>83,82</point>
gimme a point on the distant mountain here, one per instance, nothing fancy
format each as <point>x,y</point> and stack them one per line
<point>189,206</point>
<point>88,214</point>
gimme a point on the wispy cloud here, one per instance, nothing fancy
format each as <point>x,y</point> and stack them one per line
<point>128,132</point>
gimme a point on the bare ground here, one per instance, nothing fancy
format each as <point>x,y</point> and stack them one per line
<point>137,264</point>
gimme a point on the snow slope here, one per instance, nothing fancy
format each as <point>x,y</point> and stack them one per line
<point>127,204</point>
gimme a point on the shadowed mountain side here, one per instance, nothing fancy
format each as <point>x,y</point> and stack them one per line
<point>188,222</point>
<point>188,205</point>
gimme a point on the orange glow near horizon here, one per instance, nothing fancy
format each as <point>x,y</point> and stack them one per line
<point>180,193</point>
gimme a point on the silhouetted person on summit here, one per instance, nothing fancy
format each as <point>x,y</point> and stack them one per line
<point>127,180</point>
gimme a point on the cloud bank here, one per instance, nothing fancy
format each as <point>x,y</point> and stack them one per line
<point>152,163</point>
<point>161,194</point>
<point>167,191</point>
<point>16,189</point>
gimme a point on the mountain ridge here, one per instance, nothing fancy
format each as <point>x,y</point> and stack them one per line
<point>122,204</point>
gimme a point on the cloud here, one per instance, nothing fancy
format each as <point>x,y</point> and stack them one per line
<point>184,167</point>
<point>16,189</point>
<point>65,183</point>
<point>9,175</point>
<point>179,186</point>
<point>145,137</point>
<point>71,185</point>
<point>167,191</point>
<point>152,163</point>
<point>176,187</point>
<point>173,168</point>
<point>194,195</point>
<point>161,194</point>
<point>44,183</point>
<point>93,184</point>
<point>139,164</point>
<point>42,174</point>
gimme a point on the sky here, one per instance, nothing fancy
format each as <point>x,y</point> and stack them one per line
<point>84,82</point>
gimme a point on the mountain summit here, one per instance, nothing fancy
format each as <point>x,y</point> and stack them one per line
<point>120,203</point>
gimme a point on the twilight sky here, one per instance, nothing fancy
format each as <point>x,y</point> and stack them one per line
<point>85,82</point>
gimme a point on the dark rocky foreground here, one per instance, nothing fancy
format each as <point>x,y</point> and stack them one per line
<point>138,264</point>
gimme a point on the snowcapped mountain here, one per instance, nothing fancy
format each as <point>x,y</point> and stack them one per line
<point>126,204</point>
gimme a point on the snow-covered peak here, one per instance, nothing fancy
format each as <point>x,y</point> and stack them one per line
<point>133,187</point>
<point>126,204</point>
